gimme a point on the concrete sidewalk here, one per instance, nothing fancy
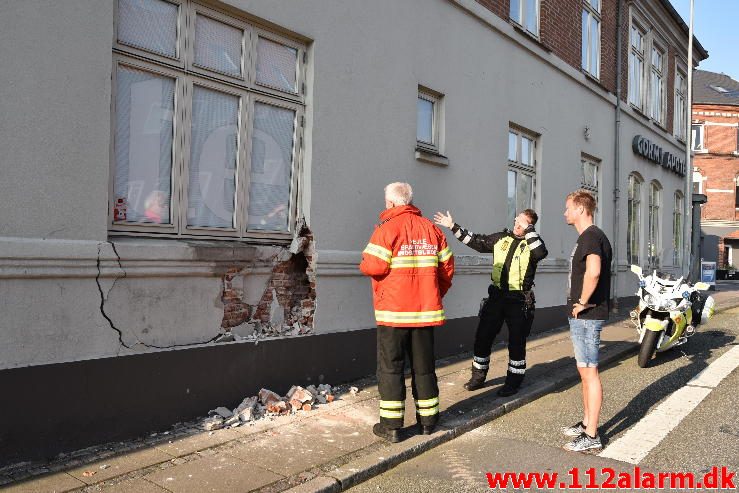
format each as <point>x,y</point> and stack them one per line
<point>330,448</point>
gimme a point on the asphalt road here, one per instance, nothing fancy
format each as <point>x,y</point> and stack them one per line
<point>527,440</point>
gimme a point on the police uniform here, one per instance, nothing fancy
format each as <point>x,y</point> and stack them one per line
<point>510,299</point>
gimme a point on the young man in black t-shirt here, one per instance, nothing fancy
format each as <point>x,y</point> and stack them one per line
<point>588,303</point>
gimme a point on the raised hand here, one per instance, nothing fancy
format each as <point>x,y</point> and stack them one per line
<point>445,220</point>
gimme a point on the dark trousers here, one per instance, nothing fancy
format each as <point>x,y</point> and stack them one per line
<point>393,344</point>
<point>518,316</point>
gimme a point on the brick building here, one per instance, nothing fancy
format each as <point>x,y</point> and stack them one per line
<point>715,127</point>
<point>184,179</point>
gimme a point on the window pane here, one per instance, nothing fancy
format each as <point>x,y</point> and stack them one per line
<point>425,121</point>
<point>594,46</point>
<point>527,151</point>
<point>218,46</point>
<point>524,193</point>
<point>532,19</point>
<point>585,38</point>
<point>271,167</point>
<point>697,137</point>
<point>516,10</point>
<point>143,146</point>
<point>512,151</point>
<point>213,158</point>
<point>148,24</point>
<point>277,65</point>
<point>595,4</point>
<point>511,196</point>
<point>590,175</point>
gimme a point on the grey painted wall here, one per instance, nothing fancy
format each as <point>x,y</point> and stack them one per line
<point>366,62</point>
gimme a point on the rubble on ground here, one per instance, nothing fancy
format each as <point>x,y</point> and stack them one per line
<point>268,403</point>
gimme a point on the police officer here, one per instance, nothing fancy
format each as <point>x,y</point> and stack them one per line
<point>510,297</point>
<point>411,268</point>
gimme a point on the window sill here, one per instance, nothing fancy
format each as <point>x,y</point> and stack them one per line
<point>532,37</point>
<point>431,157</point>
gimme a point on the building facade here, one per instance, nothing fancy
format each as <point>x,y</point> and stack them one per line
<point>715,143</point>
<point>188,184</point>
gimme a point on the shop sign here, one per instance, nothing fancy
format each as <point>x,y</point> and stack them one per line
<point>651,151</point>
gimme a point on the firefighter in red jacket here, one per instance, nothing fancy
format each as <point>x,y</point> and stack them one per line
<point>411,268</point>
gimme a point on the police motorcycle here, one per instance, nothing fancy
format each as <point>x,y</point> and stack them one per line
<point>668,312</point>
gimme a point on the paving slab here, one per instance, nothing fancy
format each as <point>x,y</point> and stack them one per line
<point>219,473</point>
<point>137,485</point>
<point>118,465</point>
<point>286,451</point>
<point>51,483</point>
<point>181,447</point>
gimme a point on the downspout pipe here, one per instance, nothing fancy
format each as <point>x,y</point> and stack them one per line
<point>693,246</point>
<point>617,160</point>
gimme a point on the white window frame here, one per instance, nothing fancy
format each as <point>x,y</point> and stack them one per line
<point>521,21</point>
<point>516,165</point>
<point>593,188</point>
<point>656,102</point>
<point>187,74</point>
<point>636,89</point>
<point>587,38</point>
<point>680,110</point>
<point>702,132</point>
<point>654,226</point>
<point>678,229</point>
<point>633,229</point>
<point>436,100</point>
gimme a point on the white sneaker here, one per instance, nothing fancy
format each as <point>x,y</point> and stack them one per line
<point>584,443</point>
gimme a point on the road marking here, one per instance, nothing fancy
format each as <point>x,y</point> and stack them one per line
<point>635,444</point>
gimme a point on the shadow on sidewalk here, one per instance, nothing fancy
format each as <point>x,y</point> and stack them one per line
<point>697,351</point>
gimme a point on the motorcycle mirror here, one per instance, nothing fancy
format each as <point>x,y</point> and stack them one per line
<point>636,270</point>
<point>701,286</point>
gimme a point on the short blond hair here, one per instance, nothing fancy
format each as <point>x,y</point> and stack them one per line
<point>399,193</point>
<point>583,198</point>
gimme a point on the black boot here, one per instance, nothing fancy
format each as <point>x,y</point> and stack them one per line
<point>392,435</point>
<point>477,380</point>
<point>511,385</point>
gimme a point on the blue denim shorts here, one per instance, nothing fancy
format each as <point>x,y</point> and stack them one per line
<point>585,335</point>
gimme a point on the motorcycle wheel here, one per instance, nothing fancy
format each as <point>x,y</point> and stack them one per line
<point>648,345</point>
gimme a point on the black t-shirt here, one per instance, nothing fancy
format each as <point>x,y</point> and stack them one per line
<point>592,241</point>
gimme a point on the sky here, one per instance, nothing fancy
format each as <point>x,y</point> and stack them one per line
<point>715,25</point>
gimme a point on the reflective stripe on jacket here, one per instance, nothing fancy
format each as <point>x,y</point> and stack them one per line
<point>411,267</point>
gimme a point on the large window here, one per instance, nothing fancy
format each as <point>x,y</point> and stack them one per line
<point>591,37</point>
<point>590,181</point>
<point>677,230</point>
<point>681,109</point>
<point>657,84</point>
<point>636,66</point>
<point>633,240</point>
<point>521,172</point>
<point>654,244</point>
<point>207,123</point>
<point>526,14</point>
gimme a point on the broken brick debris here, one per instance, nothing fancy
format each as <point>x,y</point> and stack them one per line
<point>268,403</point>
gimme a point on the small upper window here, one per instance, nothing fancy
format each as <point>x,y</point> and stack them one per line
<point>428,120</point>
<point>698,134</point>
<point>526,14</point>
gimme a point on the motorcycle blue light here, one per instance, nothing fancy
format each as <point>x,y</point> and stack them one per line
<point>642,284</point>
<point>686,294</point>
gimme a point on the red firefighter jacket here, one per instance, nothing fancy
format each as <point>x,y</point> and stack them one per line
<point>411,268</point>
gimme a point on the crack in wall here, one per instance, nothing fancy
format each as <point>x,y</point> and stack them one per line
<point>103,299</point>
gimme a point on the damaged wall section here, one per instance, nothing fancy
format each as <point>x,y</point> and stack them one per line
<point>288,300</point>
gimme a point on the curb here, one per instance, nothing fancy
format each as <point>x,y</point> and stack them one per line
<point>364,468</point>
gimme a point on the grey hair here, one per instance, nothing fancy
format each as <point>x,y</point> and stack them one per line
<point>399,193</point>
